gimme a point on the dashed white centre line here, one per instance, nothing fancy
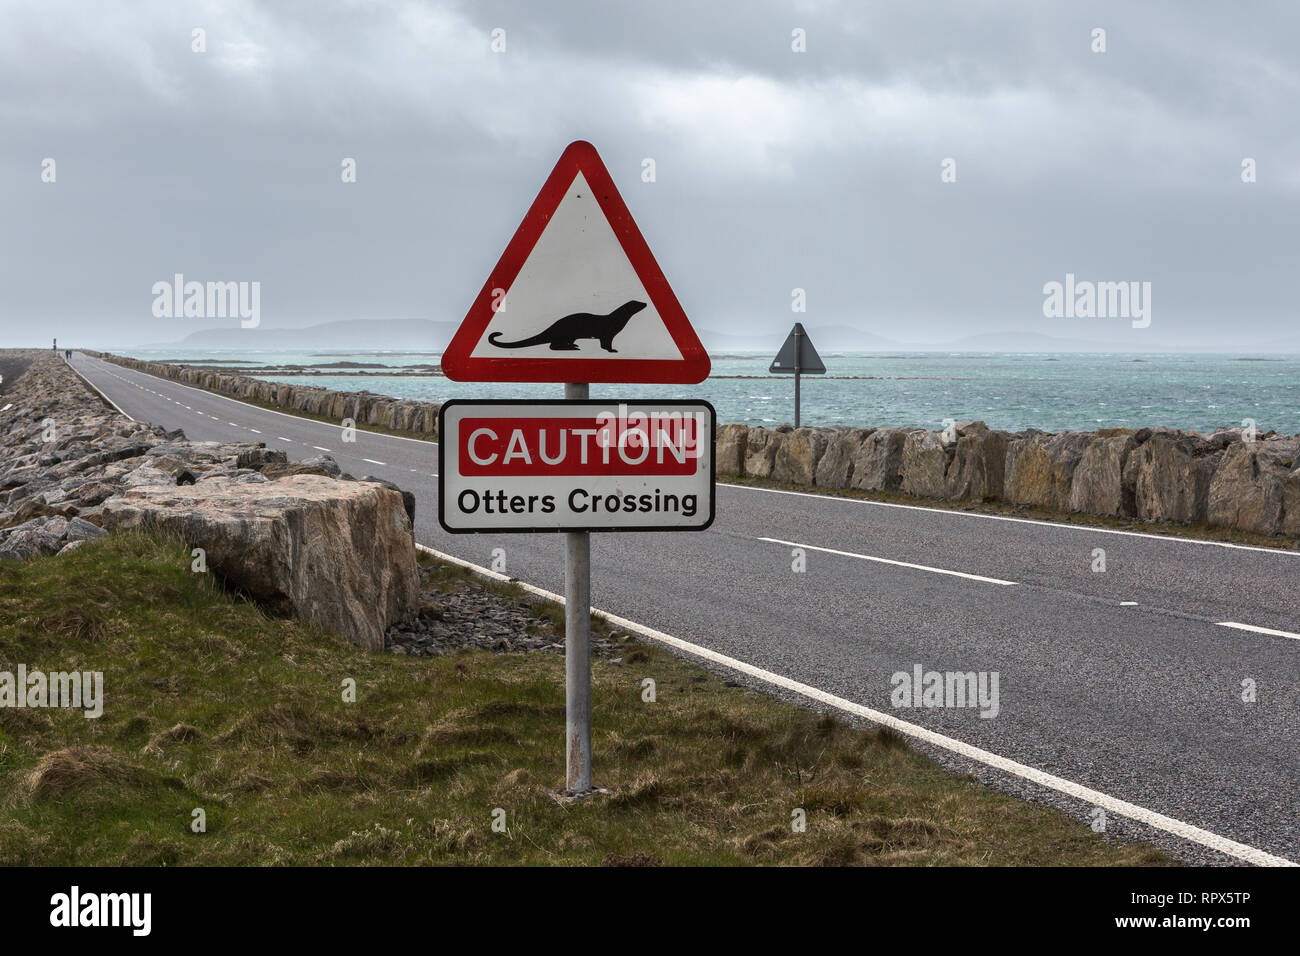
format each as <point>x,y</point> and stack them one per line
<point>255,431</point>
<point>901,564</point>
<point>282,438</point>
<point>373,462</point>
<point>1258,630</point>
<point>319,448</point>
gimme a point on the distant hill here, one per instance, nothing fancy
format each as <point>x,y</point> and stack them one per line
<point>418,335</point>
<point>427,335</point>
<point>826,338</point>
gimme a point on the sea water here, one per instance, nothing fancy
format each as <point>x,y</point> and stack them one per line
<point>1011,391</point>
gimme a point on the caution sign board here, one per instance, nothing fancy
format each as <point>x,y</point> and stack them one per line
<point>575,466</point>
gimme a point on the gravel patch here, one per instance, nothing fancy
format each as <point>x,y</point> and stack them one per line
<point>474,616</point>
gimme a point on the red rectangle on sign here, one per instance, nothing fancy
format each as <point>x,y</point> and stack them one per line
<point>638,444</point>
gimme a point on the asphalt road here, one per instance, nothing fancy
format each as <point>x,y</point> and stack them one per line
<point>1126,681</point>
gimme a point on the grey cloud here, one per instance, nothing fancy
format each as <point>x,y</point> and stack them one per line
<point>775,169</point>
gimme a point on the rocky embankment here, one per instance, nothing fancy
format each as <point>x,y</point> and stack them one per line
<point>1150,474</point>
<point>300,538</point>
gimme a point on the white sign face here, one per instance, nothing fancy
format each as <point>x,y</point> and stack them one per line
<point>578,268</point>
<point>575,466</point>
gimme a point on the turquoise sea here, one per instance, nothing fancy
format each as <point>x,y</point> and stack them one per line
<point>1007,390</point>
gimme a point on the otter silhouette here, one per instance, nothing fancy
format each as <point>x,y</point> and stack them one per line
<point>563,334</point>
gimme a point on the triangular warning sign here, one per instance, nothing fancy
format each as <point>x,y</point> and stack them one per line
<point>577,296</point>
<point>798,355</point>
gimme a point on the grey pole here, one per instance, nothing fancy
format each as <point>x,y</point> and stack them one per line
<point>798,364</point>
<point>577,647</point>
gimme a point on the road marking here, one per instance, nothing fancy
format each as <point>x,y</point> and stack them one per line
<point>1089,529</point>
<point>901,564</point>
<point>1159,821</point>
<point>1128,603</point>
<point>1258,630</point>
<point>255,431</point>
<point>97,391</point>
<point>234,424</point>
<point>319,448</point>
<point>282,438</point>
<point>373,462</point>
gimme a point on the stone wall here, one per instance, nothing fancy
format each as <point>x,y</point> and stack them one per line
<point>1148,474</point>
<point>297,537</point>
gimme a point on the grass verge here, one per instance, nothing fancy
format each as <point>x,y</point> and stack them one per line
<point>211,705</point>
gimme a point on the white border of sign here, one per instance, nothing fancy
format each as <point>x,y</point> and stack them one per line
<point>451,484</point>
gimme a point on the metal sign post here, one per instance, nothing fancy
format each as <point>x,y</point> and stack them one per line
<point>798,367</point>
<point>577,647</point>
<point>797,355</point>
<point>587,303</point>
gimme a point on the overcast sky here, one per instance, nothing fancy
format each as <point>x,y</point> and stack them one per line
<point>775,169</point>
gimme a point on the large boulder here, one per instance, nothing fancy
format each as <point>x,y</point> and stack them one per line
<point>1291,502</point>
<point>835,470</point>
<point>1170,474</point>
<point>33,538</point>
<point>797,457</point>
<point>879,462</point>
<point>925,461</point>
<point>1098,487</point>
<point>730,449</point>
<point>1040,469</point>
<point>1248,490</point>
<point>760,451</point>
<point>978,466</point>
<point>338,554</point>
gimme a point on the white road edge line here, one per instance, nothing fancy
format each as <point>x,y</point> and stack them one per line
<point>1159,821</point>
<point>1088,529</point>
<point>901,564</point>
<point>96,390</point>
<point>1258,630</point>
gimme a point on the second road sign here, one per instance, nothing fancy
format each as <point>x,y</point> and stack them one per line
<point>575,466</point>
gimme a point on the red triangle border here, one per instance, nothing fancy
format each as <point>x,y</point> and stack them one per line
<point>459,365</point>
